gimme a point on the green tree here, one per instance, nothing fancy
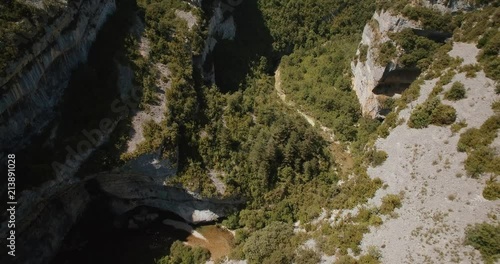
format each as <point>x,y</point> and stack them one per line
<point>270,245</point>
<point>182,254</point>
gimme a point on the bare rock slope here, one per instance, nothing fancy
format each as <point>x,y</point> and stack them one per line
<point>425,166</point>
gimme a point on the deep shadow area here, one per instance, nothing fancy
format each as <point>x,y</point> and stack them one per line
<point>437,36</point>
<point>87,100</point>
<point>99,237</point>
<point>233,58</point>
<point>396,81</point>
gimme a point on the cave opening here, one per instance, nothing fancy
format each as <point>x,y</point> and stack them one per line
<point>396,81</point>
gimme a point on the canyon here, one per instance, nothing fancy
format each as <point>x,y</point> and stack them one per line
<point>43,112</point>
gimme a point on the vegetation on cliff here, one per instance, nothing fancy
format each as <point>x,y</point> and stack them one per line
<point>20,24</point>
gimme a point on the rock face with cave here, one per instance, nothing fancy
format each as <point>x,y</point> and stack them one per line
<point>374,82</point>
<point>45,216</point>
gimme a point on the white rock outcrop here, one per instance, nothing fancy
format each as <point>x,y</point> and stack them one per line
<point>367,74</point>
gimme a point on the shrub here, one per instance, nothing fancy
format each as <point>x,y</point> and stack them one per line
<point>470,139</point>
<point>474,138</point>
<point>179,253</point>
<point>430,18</point>
<point>492,189</point>
<point>456,92</point>
<point>307,256</point>
<point>485,238</point>
<point>343,236</point>
<point>410,94</point>
<point>443,115</point>
<point>379,157</point>
<point>436,90</point>
<point>363,52</point>
<point>488,56</point>
<point>482,160</point>
<point>389,203</point>
<point>420,117</point>
<point>386,102</point>
<point>375,157</point>
<point>386,53</point>
<point>374,252</point>
<point>418,50</point>
<point>432,112</point>
<point>270,245</point>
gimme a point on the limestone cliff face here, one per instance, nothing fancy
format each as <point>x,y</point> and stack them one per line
<point>33,84</point>
<point>371,80</point>
<point>45,216</point>
<point>368,72</point>
<point>221,26</point>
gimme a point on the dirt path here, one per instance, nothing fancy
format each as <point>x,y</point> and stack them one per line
<point>340,154</point>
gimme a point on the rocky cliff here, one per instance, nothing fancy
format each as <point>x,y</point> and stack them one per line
<point>33,84</point>
<point>373,80</point>
<point>367,72</point>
